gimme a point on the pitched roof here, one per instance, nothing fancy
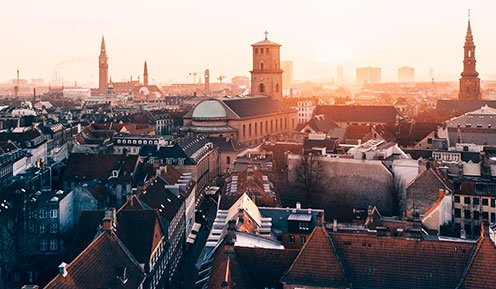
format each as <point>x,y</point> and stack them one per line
<point>317,263</point>
<point>478,273</point>
<point>372,114</point>
<point>100,166</point>
<point>156,196</point>
<point>255,106</point>
<point>227,144</point>
<point>386,262</point>
<point>97,266</point>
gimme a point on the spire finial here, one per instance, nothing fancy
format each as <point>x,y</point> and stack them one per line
<point>469,28</point>
<point>266,33</point>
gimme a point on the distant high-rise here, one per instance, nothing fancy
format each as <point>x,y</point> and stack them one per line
<point>145,75</point>
<point>287,74</point>
<point>102,68</point>
<point>266,76</point>
<point>406,74</point>
<point>469,82</point>
<point>340,76</point>
<point>365,75</point>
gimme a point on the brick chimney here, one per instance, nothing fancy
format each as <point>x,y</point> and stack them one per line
<point>230,236</point>
<point>108,220</point>
<point>63,269</point>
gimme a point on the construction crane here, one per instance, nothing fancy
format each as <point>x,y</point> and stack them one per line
<point>220,78</point>
<point>194,75</point>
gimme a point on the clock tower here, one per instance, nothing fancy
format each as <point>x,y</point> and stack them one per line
<point>266,75</point>
<point>102,68</point>
<point>469,82</point>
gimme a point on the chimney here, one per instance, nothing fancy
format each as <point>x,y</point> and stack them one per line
<point>335,225</point>
<point>108,220</point>
<point>63,269</point>
<point>441,194</point>
<point>230,236</point>
<point>320,219</point>
<point>298,205</point>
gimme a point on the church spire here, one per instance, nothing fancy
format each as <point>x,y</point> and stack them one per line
<point>469,82</point>
<point>145,74</point>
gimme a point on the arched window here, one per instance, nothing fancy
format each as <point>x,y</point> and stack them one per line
<point>261,88</point>
<point>244,131</point>
<point>262,65</point>
<point>256,129</point>
<point>249,129</point>
<point>277,87</point>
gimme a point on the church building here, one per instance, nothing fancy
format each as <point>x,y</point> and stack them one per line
<point>248,119</point>
<point>470,82</point>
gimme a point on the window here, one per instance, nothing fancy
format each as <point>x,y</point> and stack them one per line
<point>304,226</point>
<point>53,244</point>
<point>291,239</point>
<point>256,50</point>
<point>457,199</point>
<point>228,160</point>
<point>43,245</point>
<point>476,215</point>
<point>43,214</point>
<point>458,213</point>
<point>493,203</point>
<point>266,50</point>
<point>277,87</point>
<point>476,201</point>
<point>370,270</point>
<point>493,217</point>
<point>244,130</point>
<point>485,202</point>
<point>249,129</point>
<point>466,200</point>
<point>32,228</point>
<point>302,240</point>
<point>467,214</point>
<point>262,65</point>
<point>53,228</point>
<point>261,88</point>
<point>53,213</point>
<point>485,216</point>
<point>42,228</point>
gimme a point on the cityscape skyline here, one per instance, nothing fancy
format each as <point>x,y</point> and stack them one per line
<point>315,49</point>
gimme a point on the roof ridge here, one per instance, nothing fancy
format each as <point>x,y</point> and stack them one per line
<point>473,254</point>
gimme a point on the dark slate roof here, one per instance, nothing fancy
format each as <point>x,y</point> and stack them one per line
<point>247,107</point>
<point>82,167</point>
<point>98,264</point>
<point>227,144</point>
<point>156,196</point>
<point>452,108</point>
<point>412,133</point>
<point>372,114</point>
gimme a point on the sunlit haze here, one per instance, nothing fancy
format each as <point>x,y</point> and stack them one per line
<point>180,37</point>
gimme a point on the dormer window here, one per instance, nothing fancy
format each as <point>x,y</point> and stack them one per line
<point>115,173</point>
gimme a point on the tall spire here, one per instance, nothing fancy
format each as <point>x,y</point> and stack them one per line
<point>102,46</point>
<point>145,74</point>
<point>469,29</point>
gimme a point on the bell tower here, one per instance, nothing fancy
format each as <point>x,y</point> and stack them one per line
<point>102,68</point>
<point>469,82</point>
<point>266,75</point>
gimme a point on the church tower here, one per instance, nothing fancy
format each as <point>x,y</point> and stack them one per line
<point>145,75</point>
<point>266,76</point>
<point>469,82</point>
<point>102,68</point>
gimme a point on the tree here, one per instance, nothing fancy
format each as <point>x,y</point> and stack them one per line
<point>309,175</point>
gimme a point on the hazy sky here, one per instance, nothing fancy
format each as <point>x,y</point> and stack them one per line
<point>181,36</point>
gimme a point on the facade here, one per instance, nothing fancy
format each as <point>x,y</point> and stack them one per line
<point>266,75</point>
<point>406,74</point>
<point>249,119</point>
<point>366,75</point>
<point>287,75</point>
<point>469,82</point>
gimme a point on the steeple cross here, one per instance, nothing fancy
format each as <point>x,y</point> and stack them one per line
<point>266,33</point>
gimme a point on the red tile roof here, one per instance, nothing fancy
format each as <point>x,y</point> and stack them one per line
<point>97,266</point>
<point>479,271</point>
<point>317,264</point>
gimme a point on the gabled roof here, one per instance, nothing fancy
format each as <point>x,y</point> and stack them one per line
<point>97,267</point>
<point>82,167</point>
<point>478,273</point>
<point>317,264</point>
<point>156,196</point>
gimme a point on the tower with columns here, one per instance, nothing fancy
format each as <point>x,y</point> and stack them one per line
<point>266,75</point>
<point>469,82</point>
<point>102,68</point>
